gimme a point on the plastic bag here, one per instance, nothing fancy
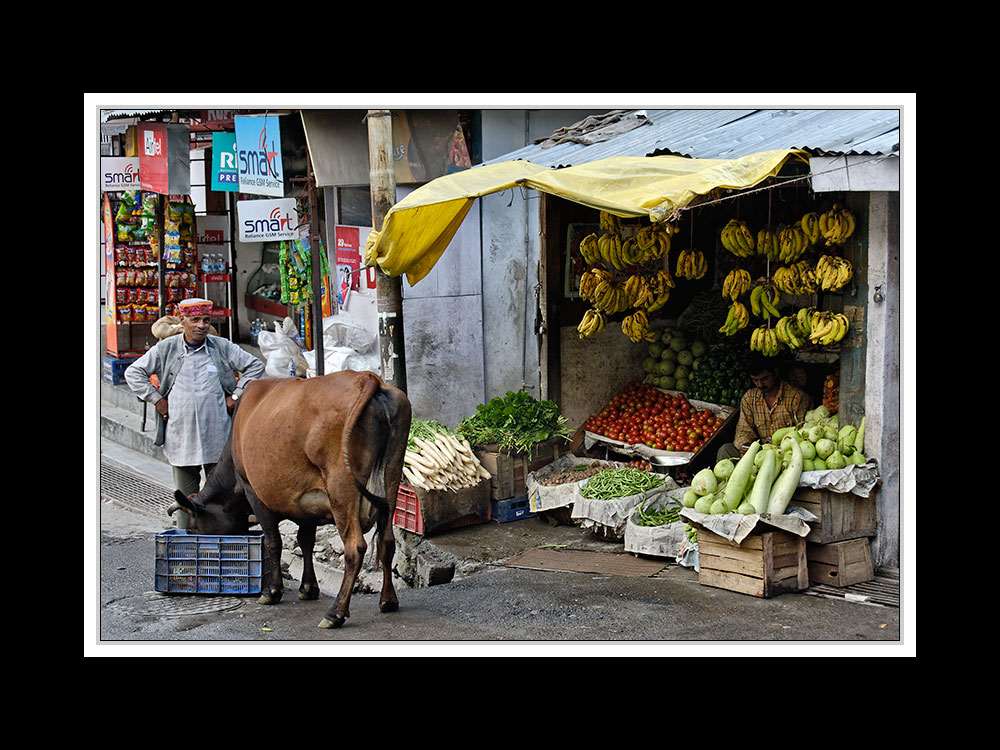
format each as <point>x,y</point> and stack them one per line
<point>280,354</point>
<point>342,330</point>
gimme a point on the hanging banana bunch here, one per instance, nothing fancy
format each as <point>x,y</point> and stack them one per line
<point>590,280</point>
<point>610,223</point>
<point>591,323</point>
<point>636,326</point>
<point>737,238</point>
<point>691,264</point>
<point>659,286</point>
<point>792,243</point>
<point>763,301</point>
<point>767,244</point>
<point>798,278</point>
<point>653,242</point>
<point>827,327</point>
<point>789,333</point>
<point>833,272</point>
<point>836,225</point>
<point>810,225</point>
<point>765,341</point>
<point>737,318</point>
<point>637,291</point>
<point>588,249</point>
<point>736,283</point>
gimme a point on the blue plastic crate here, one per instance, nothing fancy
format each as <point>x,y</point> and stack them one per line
<point>209,564</point>
<point>511,509</point>
<point>113,368</point>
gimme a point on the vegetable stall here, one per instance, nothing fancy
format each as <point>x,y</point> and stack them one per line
<point>653,299</point>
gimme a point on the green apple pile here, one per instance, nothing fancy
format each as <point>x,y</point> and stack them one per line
<point>825,444</point>
<point>673,359</point>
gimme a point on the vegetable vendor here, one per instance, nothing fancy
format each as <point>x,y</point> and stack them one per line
<point>772,403</point>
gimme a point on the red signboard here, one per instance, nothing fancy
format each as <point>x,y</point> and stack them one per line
<point>154,170</point>
<point>348,260</point>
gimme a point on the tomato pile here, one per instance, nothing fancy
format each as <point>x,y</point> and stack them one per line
<point>642,414</point>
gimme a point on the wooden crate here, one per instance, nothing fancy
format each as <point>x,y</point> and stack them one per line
<point>840,563</point>
<point>764,565</point>
<point>509,471</point>
<point>841,515</point>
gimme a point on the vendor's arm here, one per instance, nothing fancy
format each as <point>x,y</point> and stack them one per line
<point>746,433</point>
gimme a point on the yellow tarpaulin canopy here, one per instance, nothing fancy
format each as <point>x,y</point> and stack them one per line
<point>417,229</point>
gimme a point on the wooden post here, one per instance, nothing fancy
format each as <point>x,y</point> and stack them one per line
<point>314,255</point>
<point>389,291</point>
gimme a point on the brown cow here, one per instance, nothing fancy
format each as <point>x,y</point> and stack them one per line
<point>296,451</point>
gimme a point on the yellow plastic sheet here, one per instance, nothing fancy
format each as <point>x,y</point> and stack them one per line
<point>417,229</point>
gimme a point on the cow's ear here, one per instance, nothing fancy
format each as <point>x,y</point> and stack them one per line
<point>184,502</point>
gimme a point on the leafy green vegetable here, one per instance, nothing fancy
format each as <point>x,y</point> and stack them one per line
<point>425,429</point>
<point>516,422</point>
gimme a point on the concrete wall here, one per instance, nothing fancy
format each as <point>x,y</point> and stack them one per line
<point>510,251</point>
<point>882,371</point>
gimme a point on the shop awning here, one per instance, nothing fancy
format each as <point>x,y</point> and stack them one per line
<point>417,229</point>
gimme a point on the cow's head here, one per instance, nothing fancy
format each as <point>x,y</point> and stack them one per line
<point>211,518</point>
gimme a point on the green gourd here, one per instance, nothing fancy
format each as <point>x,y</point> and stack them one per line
<point>784,486</point>
<point>733,493</point>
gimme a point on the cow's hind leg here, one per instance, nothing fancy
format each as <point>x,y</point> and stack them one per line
<point>309,588</point>
<point>354,553</point>
<point>386,551</point>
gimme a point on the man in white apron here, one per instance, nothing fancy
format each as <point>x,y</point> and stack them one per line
<point>198,388</point>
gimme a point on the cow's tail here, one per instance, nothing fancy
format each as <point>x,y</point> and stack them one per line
<point>381,442</point>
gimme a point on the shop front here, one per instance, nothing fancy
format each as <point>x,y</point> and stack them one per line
<point>660,278</point>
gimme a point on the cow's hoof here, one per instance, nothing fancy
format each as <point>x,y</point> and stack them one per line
<point>272,597</point>
<point>337,622</point>
<point>309,593</point>
<point>388,606</point>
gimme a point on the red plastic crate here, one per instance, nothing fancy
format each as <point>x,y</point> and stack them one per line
<point>408,516</point>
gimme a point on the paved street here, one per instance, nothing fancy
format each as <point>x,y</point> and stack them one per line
<point>493,608</point>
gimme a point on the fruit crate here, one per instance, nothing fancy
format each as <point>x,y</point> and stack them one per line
<point>840,515</point>
<point>840,563</point>
<point>510,509</point>
<point>509,471</point>
<point>209,564</point>
<point>763,565</point>
<point>429,512</point>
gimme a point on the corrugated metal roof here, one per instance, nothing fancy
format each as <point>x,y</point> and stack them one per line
<point>731,133</point>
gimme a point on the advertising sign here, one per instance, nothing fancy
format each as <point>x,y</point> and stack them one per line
<point>267,220</point>
<point>225,170</point>
<point>164,158</point>
<point>119,173</point>
<point>347,257</point>
<point>258,156</point>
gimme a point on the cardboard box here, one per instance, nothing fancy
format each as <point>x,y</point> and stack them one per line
<point>840,515</point>
<point>763,565</point>
<point>840,563</point>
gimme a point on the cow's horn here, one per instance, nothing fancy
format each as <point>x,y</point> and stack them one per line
<point>174,506</point>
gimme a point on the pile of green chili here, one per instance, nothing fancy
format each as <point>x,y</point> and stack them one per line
<point>626,482</point>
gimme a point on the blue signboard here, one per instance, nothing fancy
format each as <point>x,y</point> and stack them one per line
<point>258,155</point>
<point>225,169</point>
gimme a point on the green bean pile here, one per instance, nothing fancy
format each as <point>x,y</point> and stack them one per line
<point>660,517</point>
<point>613,483</point>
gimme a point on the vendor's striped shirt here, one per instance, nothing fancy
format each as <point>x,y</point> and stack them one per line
<point>758,421</point>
